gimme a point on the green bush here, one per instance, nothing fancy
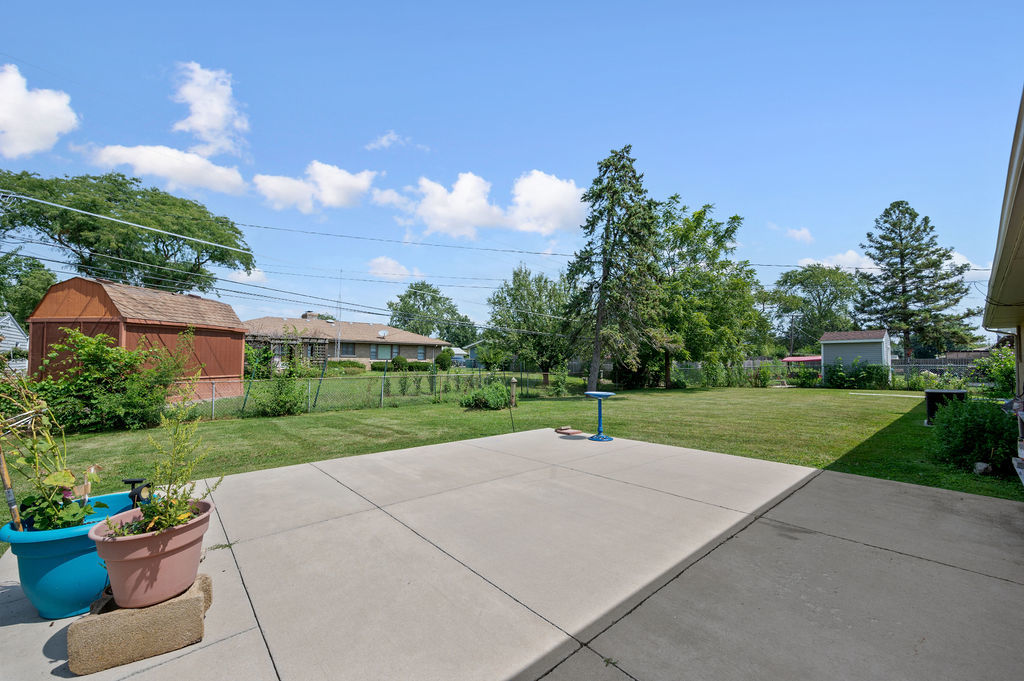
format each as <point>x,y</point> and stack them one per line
<point>859,376</point>
<point>348,364</point>
<point>492,396</point>
<point>998,368</point>
<point>92,384</point>
<point>259,361</point>
<point>409,366</point>
<point>444,359</point>
<point>280,396</point>
<point>712,374</point>
<point>805,377</point>
<point>399,363</point>
<point>16,353</point>
<point>559,383</point>
<point>975,430</point>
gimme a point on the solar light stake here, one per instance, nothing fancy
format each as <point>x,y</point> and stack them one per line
<point>9,492</point>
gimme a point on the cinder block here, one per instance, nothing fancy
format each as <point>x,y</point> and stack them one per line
<point>110,636</point>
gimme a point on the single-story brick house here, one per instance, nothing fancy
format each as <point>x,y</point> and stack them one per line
<point>871,346</point>
<point>314,339</point>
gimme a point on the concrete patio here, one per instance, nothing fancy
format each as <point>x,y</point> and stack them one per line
<point>532,555</point>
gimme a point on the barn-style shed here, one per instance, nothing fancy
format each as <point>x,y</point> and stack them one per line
<point>128,313</point>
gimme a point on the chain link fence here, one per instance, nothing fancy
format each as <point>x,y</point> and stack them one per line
<point>372,390</point>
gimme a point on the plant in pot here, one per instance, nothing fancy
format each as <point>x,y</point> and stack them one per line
<point>57,564</point>
<point>152,552</point>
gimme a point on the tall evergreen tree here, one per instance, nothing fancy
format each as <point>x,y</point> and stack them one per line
<point>613,278</point>
<point>917,287</point>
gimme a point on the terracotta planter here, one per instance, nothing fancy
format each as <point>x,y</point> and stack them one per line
<point>146,569</point>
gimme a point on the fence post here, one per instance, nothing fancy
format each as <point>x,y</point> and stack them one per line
<point>309,395</point>
<point>213,400</point>
<point>383,378</point>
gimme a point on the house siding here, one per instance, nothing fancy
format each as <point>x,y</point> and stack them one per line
<point>13,335</point>
<point>869,352</point>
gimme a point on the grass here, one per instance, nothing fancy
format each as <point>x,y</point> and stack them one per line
<point>840,430</point>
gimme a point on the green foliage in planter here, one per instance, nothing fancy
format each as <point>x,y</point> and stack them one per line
<point>975,430</point>
<point>38,452</point>
<point>94,385</point>
<point>173,500</point>
<point>492,396</point>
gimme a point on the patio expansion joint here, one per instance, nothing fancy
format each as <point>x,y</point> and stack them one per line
<point>750,520</point>
<point>613,664</point>
<point>783,523</point>
<point>192,649</point>
<point>449,555</point>
<point>248,596</point>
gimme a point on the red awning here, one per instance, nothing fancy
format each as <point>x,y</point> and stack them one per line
<point>805,358</point>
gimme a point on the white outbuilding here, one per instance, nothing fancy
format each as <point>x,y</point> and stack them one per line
<point>871,346</point>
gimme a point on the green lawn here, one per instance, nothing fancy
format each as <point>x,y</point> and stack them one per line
<point>881,437</point>
<point>876,436</point>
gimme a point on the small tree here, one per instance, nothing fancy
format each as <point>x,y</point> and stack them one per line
<point>444,359</point>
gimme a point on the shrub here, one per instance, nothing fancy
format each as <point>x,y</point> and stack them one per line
<point>763,377</point>
<point>399,363</point>
<point>492,396</point>
<point>96,385</point>
<point>805,377</point>
<point>417,384</point>
<point>259,361</point>
<point>559,383</point>
<point>444,359</point>
<point>712,374</point>
<point>998,368</point>
<point>16,353</point>
<point>348,364</point>
<point>280,396</point>
<point>975,430</point>
<point>403,384</point>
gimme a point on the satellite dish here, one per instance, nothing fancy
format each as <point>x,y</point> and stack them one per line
<point>383,333</point>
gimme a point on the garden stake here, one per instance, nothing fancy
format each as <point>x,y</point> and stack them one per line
<point>322,372</point>
<point>9,492</point>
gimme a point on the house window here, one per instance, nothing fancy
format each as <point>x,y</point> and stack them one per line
<point>383,351</point>
<point>348,349</point>
<point>421,352</point>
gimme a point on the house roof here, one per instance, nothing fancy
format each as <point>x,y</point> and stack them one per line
<point>349,332</point>
<point>868,335</point>
<point>146,305</point>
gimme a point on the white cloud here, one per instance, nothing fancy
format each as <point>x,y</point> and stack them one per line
<point>31,120</point>
<point>977,272</point>
<point>460,211</point>
<point>330,185</point>
<point>544,203</point>
<point>213,117</point>
<point>386,140</point>
<point>388,268</point>
<point>179,168</point>
<point>389,197</point>
<point>803,234</point>
<point>284,192</point>
<point>255,277</point>
<point>773,227</point>
<point>851,259</point>
<point>336,187</point>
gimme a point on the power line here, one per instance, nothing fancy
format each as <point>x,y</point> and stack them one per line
<point>7,193</point>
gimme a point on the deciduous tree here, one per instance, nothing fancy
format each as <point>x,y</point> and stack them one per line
<point>102,248</point>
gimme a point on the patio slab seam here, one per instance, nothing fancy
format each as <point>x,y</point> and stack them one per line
<point>191,650</point>
<point>756,513</point>
<point>614,663</point>
<point>530,458</point>
<point>889,549</point>
<point>248,596</point>
<point>750,520</point>
<point>463,487</point>
<point>296,527</point>
<point>449,555</point>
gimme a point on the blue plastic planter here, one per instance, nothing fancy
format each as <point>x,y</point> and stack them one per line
<point>59,569</point>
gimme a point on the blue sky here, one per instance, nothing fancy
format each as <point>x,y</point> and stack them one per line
<point>458,123</point>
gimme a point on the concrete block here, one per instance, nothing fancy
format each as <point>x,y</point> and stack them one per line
<point>110,636</point>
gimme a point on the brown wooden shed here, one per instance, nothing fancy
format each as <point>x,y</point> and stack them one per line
<point>129,312</point>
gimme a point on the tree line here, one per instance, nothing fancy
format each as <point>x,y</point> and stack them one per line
<point>654,282</point>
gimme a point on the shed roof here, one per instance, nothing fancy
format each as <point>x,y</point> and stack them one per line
<point>151,305</point>
<point>349,332</point>
<point>867,335</point>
